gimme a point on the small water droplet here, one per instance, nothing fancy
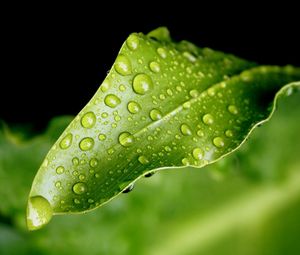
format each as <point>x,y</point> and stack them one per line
<point>198,153</point>
<point>142,83</point>
<point>185,161</point>
<point>76,201</point>
<point>132,42</point>
<point>90,201</point>
<point>105,86</point>
<point>133,107</point>
<point>154,67</point>
<point>102,137</point>
<point>79,188</point>
<point>208,119</point>
<point>66,142</point>
<point>126,139</point>
<point>81,177</point>
<point>93,162</point>
<point>128,189</point>
<point>123,65</point>
<point>155,114</point>
<point>162,52</point>
<point>58,184</point>
<point>122,88</point>
<point>185,129</point>
<point>200,133</point>
<point>104,115</point>
<point>189,56</point>
<point>88,120</point>
<point>143,160</point>
<point>233,109</point>
<point>229,133</point>
<point>75,161</point>
<point>169,92</point>
<point>86,143</point>
<point>60,170</point>
<point>218,142</point>
<point>112,100</point>
<point>39,212</point>
<point>194,93</point>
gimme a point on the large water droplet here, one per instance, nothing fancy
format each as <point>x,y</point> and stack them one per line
<point>88,120</point>
<point>112,100</point>
<point>79,188</point>
<point>162,52</point>
<point>142,83</point>
<point>208,119</point>
<point>198,153</point>
<point>154,67</point>
<point>143,160</point>
<point>233,109</point>
<point>123,65</point>
<point>155,114</point>
<point>132,42</point>
<point>218,142</point>
<point>66,142</point>
<point>126,139</point>
<point>133,107</point>
<point>185,129</point>
<point>60,170</point>
<point>86,143</point>
<point>39,212</point>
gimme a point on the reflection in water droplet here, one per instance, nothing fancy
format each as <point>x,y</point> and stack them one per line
<point>66,142</point>
<point>86,143</point>
<point>39,212</point>
<point>123,65</point>
<point>208,119</point>
<point>155,114</point>
<point>132,42</point>
<point>112,100</point>
<point>126,139</point>
<point>60,170</point>
<point>218,142</point>
<point>142,83</point>
<point>233,109</point>
<point>198,153</point>
<point>154,67</point>
<point>88,120</point>
<point>79,188</point>
<point>133,107</point>
<point>185,129</point>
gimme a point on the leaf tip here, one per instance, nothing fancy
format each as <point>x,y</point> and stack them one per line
<point>39,212</point>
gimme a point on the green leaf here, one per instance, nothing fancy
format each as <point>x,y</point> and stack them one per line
<point>163,104</point>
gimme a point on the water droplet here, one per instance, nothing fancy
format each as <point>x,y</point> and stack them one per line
<point>105,86</point>
<point>76,201</point>
<point>90,201</point>
<point>169,92</point>
<point>60,170</point>
<point>88,120</point>
<point>104,115</point>
<point>93,162</point>
<point>102,137</point>
<point>155,114</point>
<point>233,109</point>
<point>133,107</point>
<point>198,153</point>
<point>208,119</point>
<point>185,129</point>
<point>75,161</point>
<point>154,67</point>
<point>162,52</point>
<point>122,88</point>
<point>143,160</point>
<point>126,139</point>
<point>81,177</point>
<point>86,143</point>
<point>218,142</point>
<point>167,148</point>
<point>79,188</point>
<point>128,189</point>
<point>194,93</point>
<point>189,56</point>
<point>39,212</point>
<point>211,92</point>
<point>123,65</point>
<point>132,42</point>
<point>112,100</point>
<point>200,133</point>
<point>229,133</point>
<point>66,142</point>
<point>58,184</point>
<point>142,83</point>
<point>185,161</point>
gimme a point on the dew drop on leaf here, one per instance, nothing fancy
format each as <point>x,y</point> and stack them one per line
<point>155,114</point>
<point>198,153</point>
<point>88,120</point>
<point>112,100</point>
<point>60,170</point>
<point>126,139</point>
<point>218,142</point>
<point>133,107</point>
<point>154,67</point>
<point>102,137</point>
<point>132,42</point>
<point>79,188</point>
<point>185,129</point>
<point>233,109</point>
<point>123,65</point>
<point>208,119</point>
<point>66,142</point>
<point>143,160</point>
<point>142,83</point>
<point>86,143</point>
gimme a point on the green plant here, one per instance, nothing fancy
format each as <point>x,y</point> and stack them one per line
<point>163,104</point>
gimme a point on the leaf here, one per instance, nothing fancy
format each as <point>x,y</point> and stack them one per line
<point>163,104</point>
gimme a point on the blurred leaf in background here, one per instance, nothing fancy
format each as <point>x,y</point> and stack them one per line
<point>248,203</point>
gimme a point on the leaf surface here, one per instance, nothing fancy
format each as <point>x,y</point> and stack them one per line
<point>163,104</point>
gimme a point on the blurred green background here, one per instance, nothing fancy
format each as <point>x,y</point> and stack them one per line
<point>248,203</point>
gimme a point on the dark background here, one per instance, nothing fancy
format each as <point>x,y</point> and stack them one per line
<point>55,58</point>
